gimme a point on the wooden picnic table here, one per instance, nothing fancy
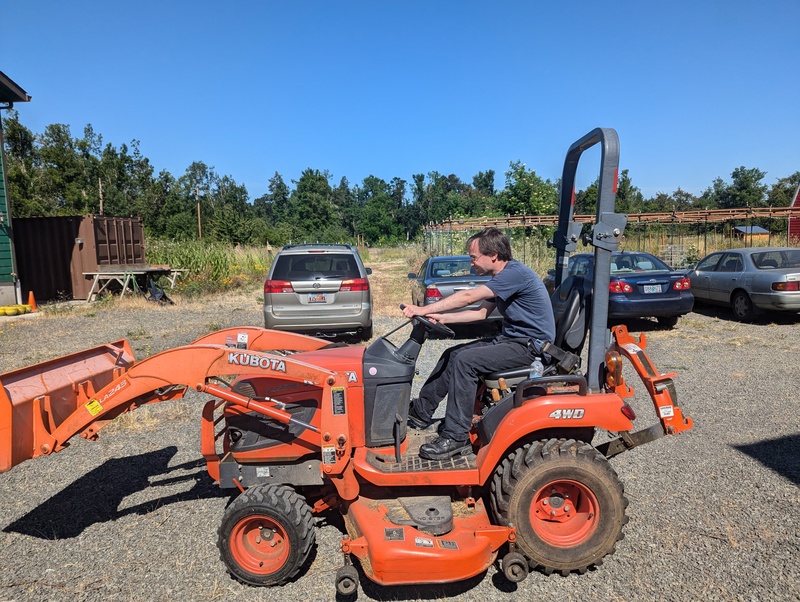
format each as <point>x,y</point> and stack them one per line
<point>129,277</point>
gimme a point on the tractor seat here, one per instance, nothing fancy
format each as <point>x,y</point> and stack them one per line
<point>570,306</point>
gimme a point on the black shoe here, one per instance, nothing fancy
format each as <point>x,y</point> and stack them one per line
<point>442,448</point>
<point>414,421</point>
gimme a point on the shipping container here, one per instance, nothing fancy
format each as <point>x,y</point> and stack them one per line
<point>54,254</point>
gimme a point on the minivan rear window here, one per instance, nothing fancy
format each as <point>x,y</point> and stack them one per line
<point>313,267</point>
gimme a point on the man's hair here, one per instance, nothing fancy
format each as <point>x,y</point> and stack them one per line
<point>491,240</point>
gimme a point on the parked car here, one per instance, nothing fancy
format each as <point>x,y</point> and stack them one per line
<point>441,276</point>
<point>319,289</point>
<point>749,280</point>
<point>641,286</point>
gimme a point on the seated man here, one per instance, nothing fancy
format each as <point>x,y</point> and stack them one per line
<point>522,300</point>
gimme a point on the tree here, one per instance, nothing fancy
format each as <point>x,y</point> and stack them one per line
<point>679,200</point>
<point>781,192</point>
<point>279,195</point>
<point>526,193</point>
<point>629,198</point>
<point>379,221</point>
<point>62,182</point>
<point>23,170</point>
<point>232,212</point>
<point>312,205</point>
<point>684,201</point>
<point>161,195</point>
<point>434,199</point>
<point>347,210</point>
<point>483,182</point>
<point>660,203</point>
<point>586,200</point>
<point>746,190</point>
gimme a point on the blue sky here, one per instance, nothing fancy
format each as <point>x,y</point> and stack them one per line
<point>694,88</point>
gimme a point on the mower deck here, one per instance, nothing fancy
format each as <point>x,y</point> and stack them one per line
<point>393,550</point>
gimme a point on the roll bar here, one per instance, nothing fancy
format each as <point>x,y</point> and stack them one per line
<point>605,237</point>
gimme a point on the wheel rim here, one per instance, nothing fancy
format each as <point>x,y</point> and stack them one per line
<point>259,544</point>
<point>740,306</point>
<point>564,513</point>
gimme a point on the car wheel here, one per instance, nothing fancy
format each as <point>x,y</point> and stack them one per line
<point>667,322</point>
<point>743,307</point>
<point>366,334</point>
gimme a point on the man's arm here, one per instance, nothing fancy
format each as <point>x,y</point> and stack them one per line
<point>465,316</point>
<point>454,301</point>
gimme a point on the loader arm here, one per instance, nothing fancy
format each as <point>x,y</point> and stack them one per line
<point>262,339</point>
<point>42,407</point>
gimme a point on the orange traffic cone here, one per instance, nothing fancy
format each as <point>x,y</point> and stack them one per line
<point>32,301</point>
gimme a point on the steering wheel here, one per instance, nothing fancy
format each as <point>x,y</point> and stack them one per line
<point>433,326</point>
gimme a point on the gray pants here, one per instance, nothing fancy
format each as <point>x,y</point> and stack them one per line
<point>457,374</point>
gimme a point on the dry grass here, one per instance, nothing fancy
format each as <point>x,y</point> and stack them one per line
<point>390,289</point>
<point>389,279</point>
<point>147,417</point>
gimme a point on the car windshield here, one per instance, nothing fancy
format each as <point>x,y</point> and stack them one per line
<point>448,269</point>
<point>637,262</point>
<point>314,267</point>
<point>770,260</point>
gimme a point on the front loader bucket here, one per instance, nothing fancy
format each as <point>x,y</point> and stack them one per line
<point>36,399</point>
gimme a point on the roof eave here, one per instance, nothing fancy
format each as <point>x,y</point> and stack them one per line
<point>10,91</point>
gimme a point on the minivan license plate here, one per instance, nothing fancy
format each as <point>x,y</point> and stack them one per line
<point>652,288</point>
<point>317,297</point>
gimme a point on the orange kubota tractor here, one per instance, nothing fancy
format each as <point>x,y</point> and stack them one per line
<point>306,426</point>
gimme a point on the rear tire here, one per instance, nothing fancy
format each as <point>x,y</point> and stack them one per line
<point>266,535</point>
<point>742,307</point>
<point>566,501</point>
<point>667,322</point>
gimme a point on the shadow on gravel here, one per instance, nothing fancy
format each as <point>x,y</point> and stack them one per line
<point>414,592</point>
<point>779,455</point>
<point>96,496</point>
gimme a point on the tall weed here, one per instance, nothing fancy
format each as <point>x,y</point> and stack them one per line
<point>211,266</point>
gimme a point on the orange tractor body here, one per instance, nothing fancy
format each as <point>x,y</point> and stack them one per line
<point>297,426</point>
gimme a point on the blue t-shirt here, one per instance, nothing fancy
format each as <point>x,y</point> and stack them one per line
<point>522,300</point>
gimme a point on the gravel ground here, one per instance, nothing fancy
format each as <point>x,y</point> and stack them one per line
<point>714,512</point>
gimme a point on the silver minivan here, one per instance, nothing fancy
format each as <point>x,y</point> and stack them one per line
<point>319,289</point>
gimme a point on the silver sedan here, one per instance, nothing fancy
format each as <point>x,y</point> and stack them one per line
<point>441,276</point>
<point>750,280</point>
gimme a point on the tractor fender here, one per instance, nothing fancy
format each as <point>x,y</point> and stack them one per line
<point>560,411</point>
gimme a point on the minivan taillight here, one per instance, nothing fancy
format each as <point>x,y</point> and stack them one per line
<point>354,285</point>
<point>278,286</point>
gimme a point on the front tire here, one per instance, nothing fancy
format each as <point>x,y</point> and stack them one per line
<point>266,535</point>
<point>566,501</point>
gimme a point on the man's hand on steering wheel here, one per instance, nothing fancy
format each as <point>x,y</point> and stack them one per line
<point>431,325</point>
